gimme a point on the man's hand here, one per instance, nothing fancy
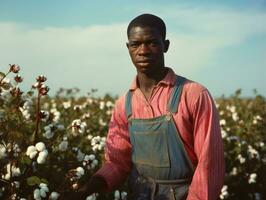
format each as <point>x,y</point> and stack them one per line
<point>95,185</point>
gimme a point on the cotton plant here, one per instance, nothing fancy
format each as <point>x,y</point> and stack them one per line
<point>74,130</point>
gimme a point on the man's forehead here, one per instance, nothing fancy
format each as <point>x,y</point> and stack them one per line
<point>143,30</point>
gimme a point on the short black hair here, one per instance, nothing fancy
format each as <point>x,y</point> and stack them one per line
<point>148,20</point>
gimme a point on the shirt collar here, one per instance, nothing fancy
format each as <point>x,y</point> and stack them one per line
<point>169,79</point>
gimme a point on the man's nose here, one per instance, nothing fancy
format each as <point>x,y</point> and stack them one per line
<point>144,49</point>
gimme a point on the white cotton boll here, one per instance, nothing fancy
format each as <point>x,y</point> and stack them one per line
<point>40,146</point>
<point>80,156</point>
<point>123,195</point>
<point>222,122</point>
<point>42,157</point>
<point>42,193</point>
<point>95,162</point>
<point>91,156</point>
<point>94,148</point>
<point>102,123</point>
<point>234,171</point>
<point>15,171</point>
<point>7,176</point>
<point>109,104</point>
<point>252,178</point>
<point>235,116</point>
<point>60,127</point>
<point>41,160</point>
<point>8,168</point>
<point>63,146</point>
<point>92,197</point>
<point>17,184</point>
<point>80,170</point>
<point>224,193</point>
<point>44,187</point>
<point>224,134</point>
<point>89,137</point>
<point>117,194</point>
<point>108,112</point>
<point>33,154</point>
<point>30,149</point>
<point>54,196</point>
<point>102,105</point>
<point>67,104</point>
<point>241,159</point>
<point>36,194</point>
<point>44,153</point>
<point>78,127</point>
<point>48,134</point>
<point>232,109</point>
<point>2,152</point>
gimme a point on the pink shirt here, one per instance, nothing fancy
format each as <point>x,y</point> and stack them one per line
<point>198,124</point>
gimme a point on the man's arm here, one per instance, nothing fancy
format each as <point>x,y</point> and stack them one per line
<point>209,173</point>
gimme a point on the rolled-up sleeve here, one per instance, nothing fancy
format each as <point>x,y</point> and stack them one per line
<point>117,163</point>
<point>209,173</point>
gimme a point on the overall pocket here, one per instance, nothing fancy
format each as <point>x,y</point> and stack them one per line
<point>151,148</point>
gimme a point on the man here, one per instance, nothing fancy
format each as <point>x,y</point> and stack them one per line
<point>164,133</point>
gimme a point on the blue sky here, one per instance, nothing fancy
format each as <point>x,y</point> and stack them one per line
<point>221,44</point>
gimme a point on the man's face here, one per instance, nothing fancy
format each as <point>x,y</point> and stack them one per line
<point>146,48</point>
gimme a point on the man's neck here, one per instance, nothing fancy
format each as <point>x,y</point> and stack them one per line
<point>146,82</point>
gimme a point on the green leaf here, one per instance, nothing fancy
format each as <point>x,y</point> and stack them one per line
<point>33,180</point>
<point>43,180</point>
<point>26,160</point>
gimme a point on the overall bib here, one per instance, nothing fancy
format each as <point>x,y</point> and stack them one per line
<point>161,168</point>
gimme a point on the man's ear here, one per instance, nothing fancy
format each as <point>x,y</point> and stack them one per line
<point>127,45</point>
<point>166,45</point>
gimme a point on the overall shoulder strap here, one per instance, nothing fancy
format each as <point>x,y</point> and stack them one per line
<point>176,93</point>
<point>128,104</point>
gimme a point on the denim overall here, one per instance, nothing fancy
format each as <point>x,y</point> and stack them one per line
<point>161,168</point>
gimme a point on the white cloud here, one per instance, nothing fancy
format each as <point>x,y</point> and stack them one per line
<point>199,34</point>
<point>83,57</point>
<point>96,56</point>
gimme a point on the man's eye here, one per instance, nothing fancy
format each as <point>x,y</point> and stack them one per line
<point>153,43</point>
<point>134,45</point>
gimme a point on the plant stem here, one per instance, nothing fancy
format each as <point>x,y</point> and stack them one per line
<point>4,77</point>
<point>37,117</point>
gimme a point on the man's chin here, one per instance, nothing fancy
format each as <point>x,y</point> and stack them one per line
<point>144,67</point>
